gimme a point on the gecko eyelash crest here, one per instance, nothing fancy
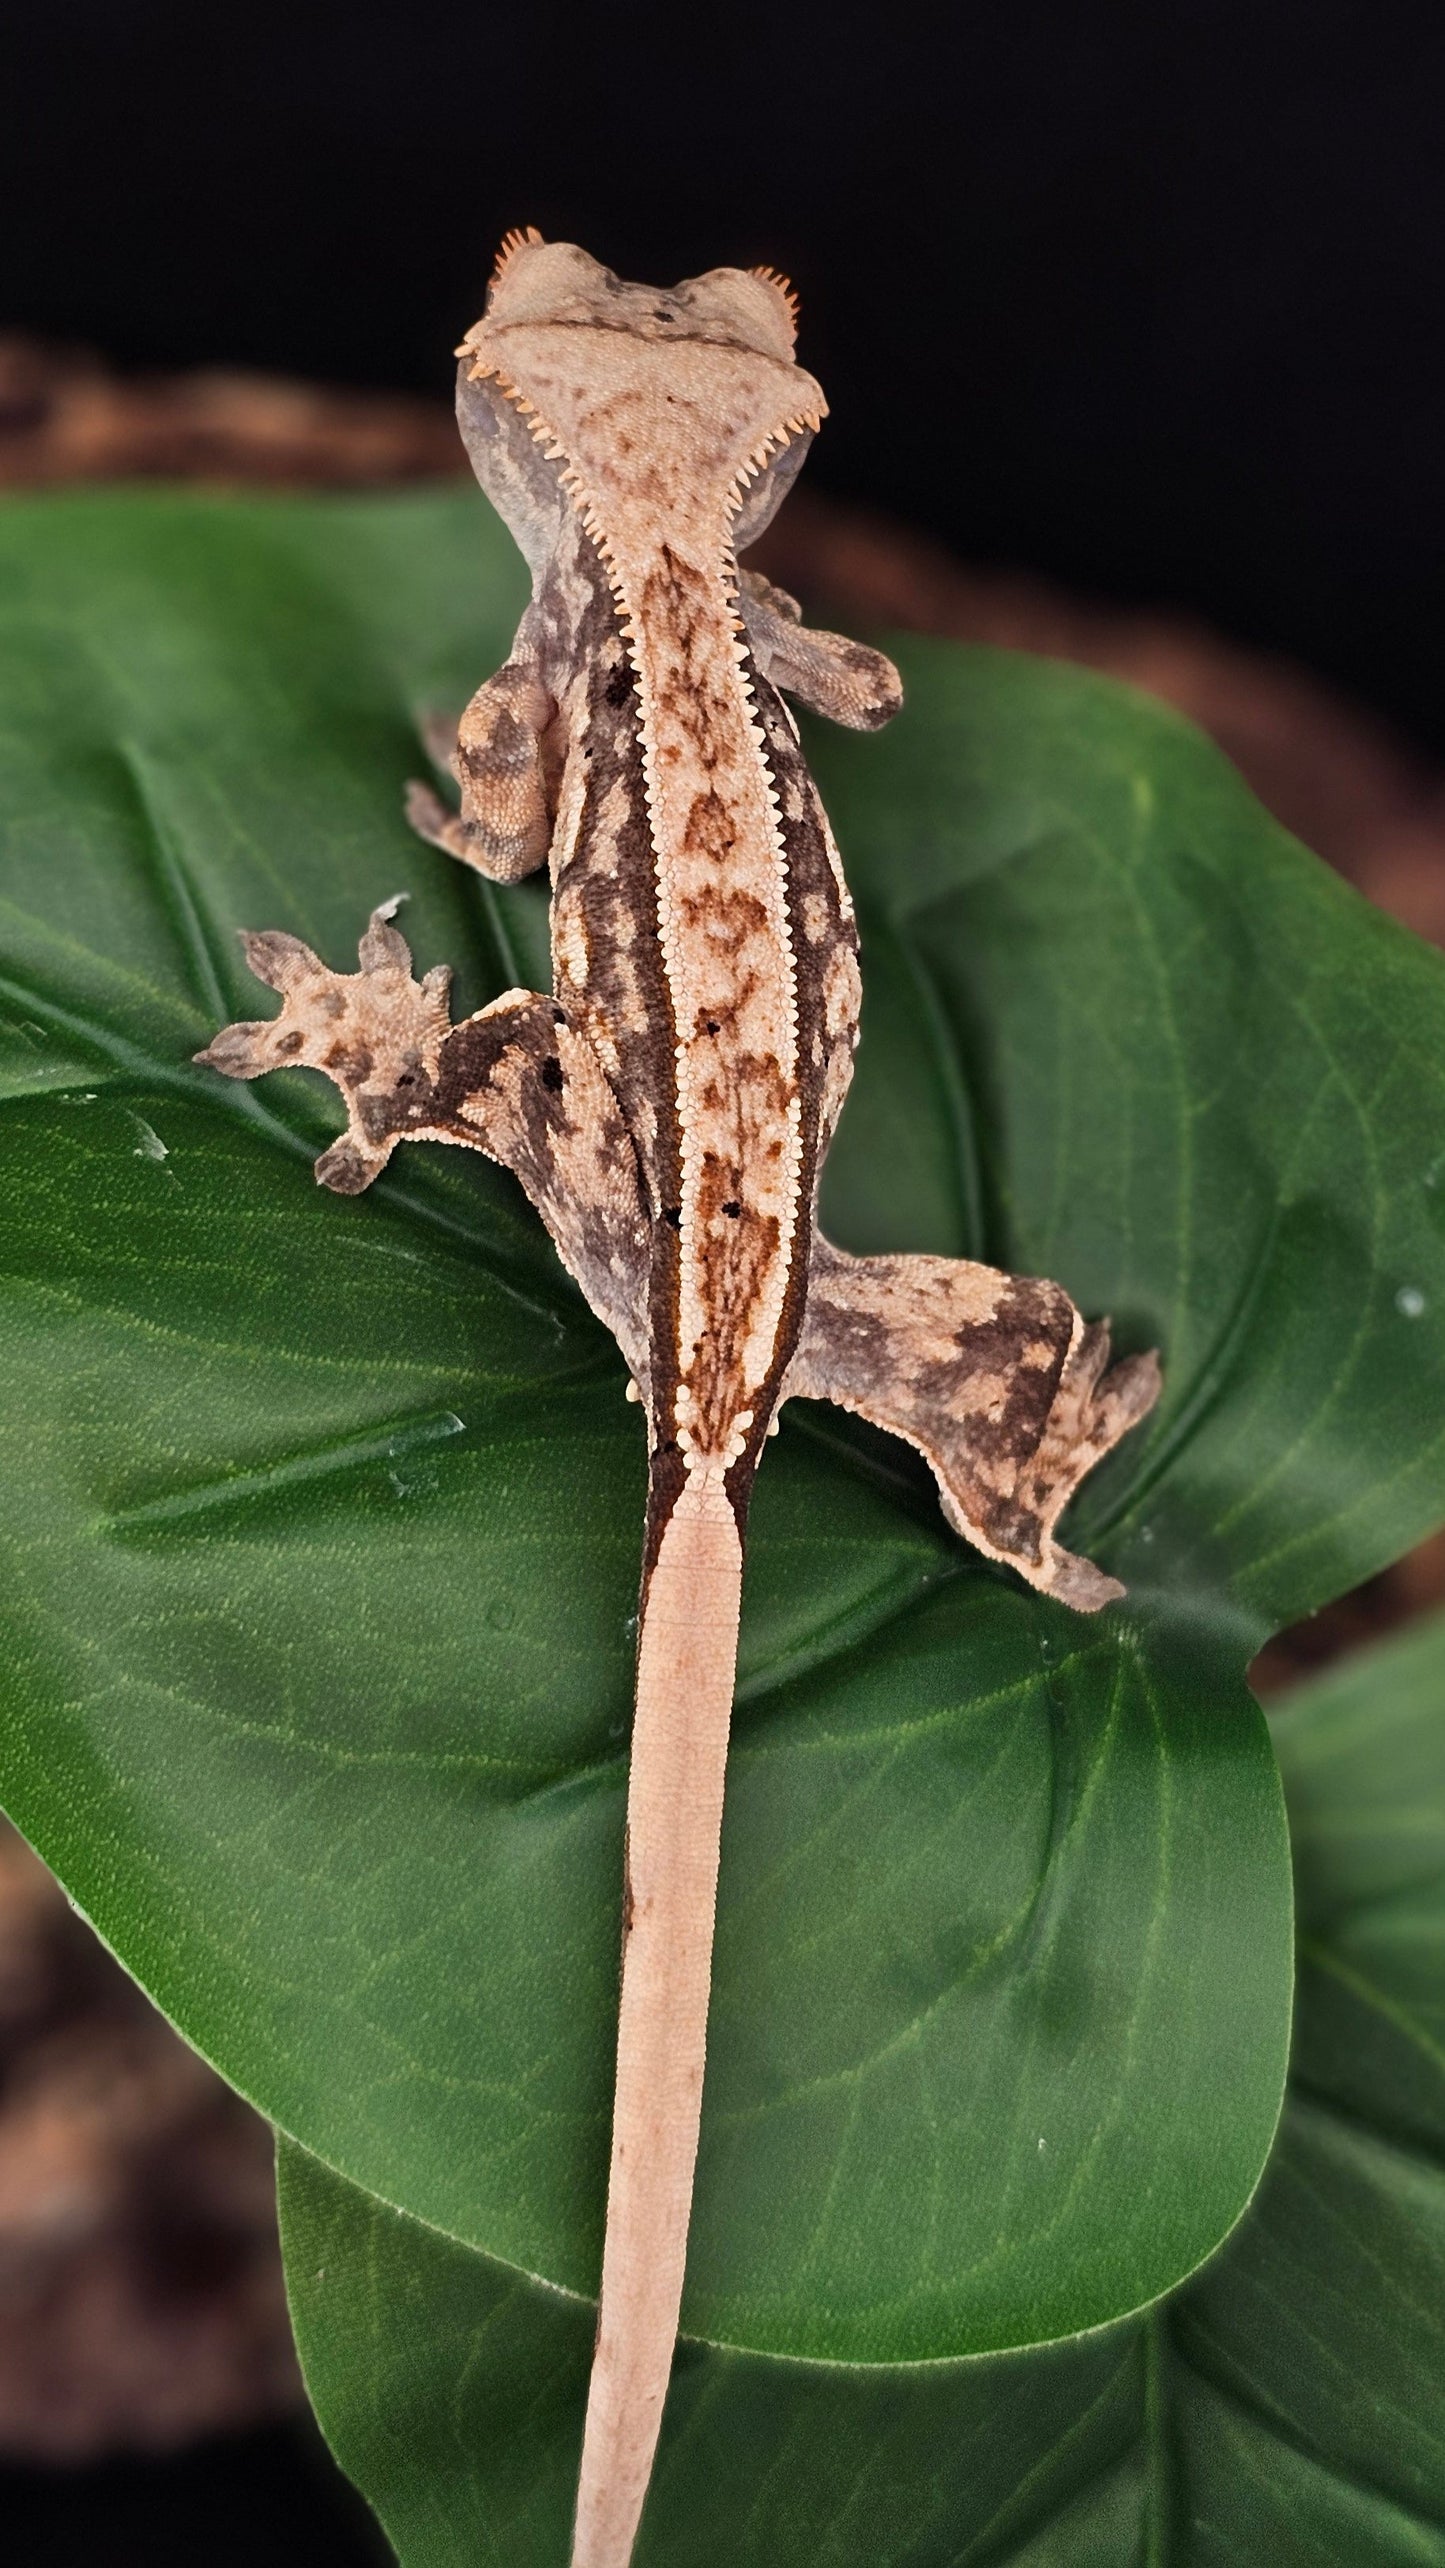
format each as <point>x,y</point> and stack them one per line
<point>668,1106</point>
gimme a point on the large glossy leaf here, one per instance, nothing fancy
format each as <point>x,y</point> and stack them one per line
<point>322,1517</point>
<point>1285,2408</point>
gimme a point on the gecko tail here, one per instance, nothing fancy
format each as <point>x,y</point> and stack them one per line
<point>686,1662</point>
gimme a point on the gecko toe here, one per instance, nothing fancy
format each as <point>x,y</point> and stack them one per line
<point>1079,1584</point>
<point>238,1051</point>
<point>427,814</point>
<point>345,1168</point>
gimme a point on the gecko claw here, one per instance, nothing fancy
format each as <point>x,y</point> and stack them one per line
<point>382,943</point>
<point>438,733</point>
<point>238,1051</point>
<point>281,961</point>
<point>428,815</point>
<point>346,1168</point>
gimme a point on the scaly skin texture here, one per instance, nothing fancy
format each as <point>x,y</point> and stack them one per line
<point>668,1106</point>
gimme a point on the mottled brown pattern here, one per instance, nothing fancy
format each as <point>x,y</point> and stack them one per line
<point>997,1382</point>
<point>498,754</point>
<point>517,1081</point>
<point>825,671</point>
<point>606,961</point>
<point>821,925</point>
<point>721,876</point>
<point>681,598</point>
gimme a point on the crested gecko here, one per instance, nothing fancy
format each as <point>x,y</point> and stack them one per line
<point>668,1106</point>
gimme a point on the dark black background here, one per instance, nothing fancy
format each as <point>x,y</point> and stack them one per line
<point>1149,298</point>
<point>270,2499</point>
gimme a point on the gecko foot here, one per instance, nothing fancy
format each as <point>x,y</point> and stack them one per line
<point>518,1081</point>
<point>827,672</point>
<point>495,752</point>
<point>377,1033</point>
<point>996,1381</point>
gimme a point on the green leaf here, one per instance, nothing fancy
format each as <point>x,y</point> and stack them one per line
<point>1284,2407</point>
<point>1204,1084</point>
<point>322,1517</point>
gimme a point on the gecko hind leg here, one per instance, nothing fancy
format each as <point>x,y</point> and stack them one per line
<point>518,1081</point>
<point>995,1379</point>
<point>496,753</point>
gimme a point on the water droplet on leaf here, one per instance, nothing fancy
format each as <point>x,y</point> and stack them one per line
<point>150,1144</point>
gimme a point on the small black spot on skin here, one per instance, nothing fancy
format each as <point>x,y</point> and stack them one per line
<point>559,1016</point>
<point>712,1025</point>
<point>733,1211</point>
<point>552,1073</point>
<point>672,1213</point>
<point>618,689</point>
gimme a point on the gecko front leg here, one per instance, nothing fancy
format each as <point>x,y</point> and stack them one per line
<point>825,671</point>
<point>497,754</point>
<point>994,1378</point>
<point>517,1081</point>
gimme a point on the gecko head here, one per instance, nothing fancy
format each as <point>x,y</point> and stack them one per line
<point>607,374</point>
<point>538,283</point>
